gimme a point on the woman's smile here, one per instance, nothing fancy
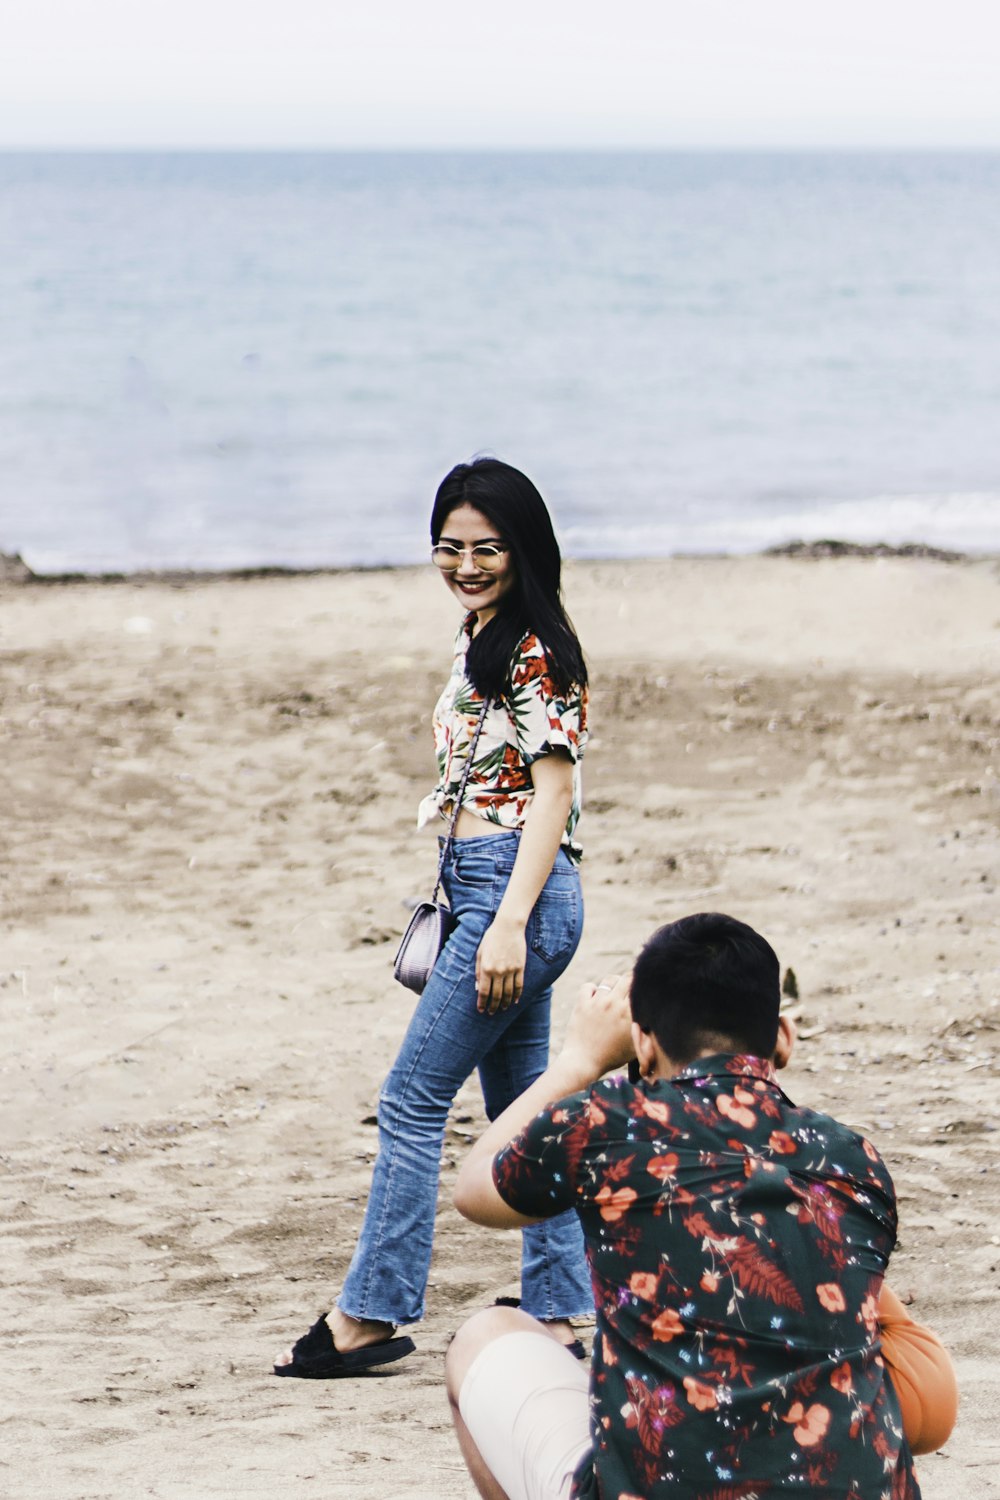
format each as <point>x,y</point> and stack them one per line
<point>473,585</point>
<point>477,589</point>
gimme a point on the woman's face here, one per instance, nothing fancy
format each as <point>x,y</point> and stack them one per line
<point>475,587</point>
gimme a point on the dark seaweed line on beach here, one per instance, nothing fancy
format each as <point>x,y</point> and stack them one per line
<point>14,570</point>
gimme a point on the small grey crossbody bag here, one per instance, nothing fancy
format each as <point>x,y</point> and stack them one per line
<point>432,920</point>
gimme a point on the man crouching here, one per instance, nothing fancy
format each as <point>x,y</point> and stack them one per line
<point>737,1245</point>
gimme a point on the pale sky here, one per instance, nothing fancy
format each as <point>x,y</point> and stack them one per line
<point>453,73</point>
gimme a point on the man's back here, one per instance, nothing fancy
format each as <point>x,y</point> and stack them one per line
<point>737,1245</point>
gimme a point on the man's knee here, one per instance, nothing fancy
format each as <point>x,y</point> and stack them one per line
<point>474,1335</point>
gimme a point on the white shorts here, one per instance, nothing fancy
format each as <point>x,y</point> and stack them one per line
<point>525,1403</point>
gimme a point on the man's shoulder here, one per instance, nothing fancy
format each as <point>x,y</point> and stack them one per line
<point>846,1149</point>
<point>596,1102</point>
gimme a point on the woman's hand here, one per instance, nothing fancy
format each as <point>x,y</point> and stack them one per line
<point>500,965</point>
<point>503,951</point>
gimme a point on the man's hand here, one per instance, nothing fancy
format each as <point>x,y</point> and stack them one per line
<point>599,1036</point>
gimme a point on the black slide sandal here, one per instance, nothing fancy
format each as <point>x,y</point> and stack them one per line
<point>316,1357</point>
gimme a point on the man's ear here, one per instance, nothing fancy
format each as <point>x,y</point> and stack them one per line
<point>785,1044</point>
<point>645,1050</point>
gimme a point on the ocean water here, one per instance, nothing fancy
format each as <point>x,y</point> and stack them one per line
<point>217,360</point>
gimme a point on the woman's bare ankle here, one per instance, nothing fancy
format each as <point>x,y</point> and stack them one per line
<point>356,1333</point>
<point>561,1329</point>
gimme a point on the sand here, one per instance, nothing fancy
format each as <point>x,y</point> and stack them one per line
<point>209,794</point>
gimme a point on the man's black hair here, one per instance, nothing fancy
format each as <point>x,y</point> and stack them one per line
<point>708,983</point>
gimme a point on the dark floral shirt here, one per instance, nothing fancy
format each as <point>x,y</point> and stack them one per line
<point>737,1245</point>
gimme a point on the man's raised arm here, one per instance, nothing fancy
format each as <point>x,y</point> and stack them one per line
<point>598,1038</point>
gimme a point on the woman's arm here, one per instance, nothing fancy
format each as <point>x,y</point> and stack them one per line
<point>503,950</point>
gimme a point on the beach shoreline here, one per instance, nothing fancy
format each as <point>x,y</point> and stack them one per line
<point>207,858</point>
<point>15,570</point>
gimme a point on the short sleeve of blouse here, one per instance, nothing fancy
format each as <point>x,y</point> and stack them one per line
<point>544,720</point>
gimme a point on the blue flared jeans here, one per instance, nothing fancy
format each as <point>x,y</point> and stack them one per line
<point>446,1040</point>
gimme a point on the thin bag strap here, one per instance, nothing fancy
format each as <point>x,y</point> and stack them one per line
<point>460,794</point>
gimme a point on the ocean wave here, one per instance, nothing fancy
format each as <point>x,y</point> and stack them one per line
<point>968,522</point>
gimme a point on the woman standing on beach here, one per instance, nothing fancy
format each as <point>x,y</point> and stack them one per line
<point>512,881</point>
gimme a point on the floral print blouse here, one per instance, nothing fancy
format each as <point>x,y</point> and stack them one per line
<point>737,1245</point>
<point>532,721</point>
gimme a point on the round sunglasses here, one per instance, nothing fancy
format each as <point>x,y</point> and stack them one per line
<point>486,556</point>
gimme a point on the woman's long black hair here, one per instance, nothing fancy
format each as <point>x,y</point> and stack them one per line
<point>510,500</point>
